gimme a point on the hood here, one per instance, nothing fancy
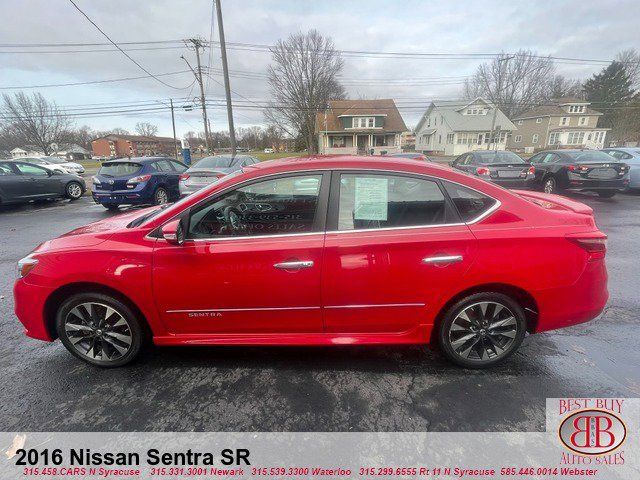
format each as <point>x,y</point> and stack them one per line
<point>93,233</point>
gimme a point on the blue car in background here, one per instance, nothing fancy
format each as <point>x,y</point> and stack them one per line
<point>630,156</point>
<point>137,181</point>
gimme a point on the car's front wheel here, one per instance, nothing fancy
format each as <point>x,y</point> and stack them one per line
<point>606,193</point>
<point>74,190</point>
<point>99,329</point>
<point>482,330</point>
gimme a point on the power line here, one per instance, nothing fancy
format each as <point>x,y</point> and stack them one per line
<point>93,82</point>
<point>40,45</point>
<point>146,49</point>
<point>123,52</point>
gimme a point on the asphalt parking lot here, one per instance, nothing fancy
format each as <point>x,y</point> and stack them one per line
<point>313,389</point>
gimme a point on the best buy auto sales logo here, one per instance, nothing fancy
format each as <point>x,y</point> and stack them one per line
<point>592,428</point>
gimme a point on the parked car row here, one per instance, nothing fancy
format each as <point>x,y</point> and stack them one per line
<point>554,171</point>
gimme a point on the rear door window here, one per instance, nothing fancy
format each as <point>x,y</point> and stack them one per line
<point>469,203</point>
<point>5,169</point>
<point>163,166</point>
<point>28,169</point>
<point>369,201</point>
<point>119,169</point>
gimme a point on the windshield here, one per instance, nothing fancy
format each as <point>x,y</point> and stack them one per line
<point>215,162</point>
<point>119,169</point>
<point>56,160</point>
<point>497,157</point>
<point>589,156</point>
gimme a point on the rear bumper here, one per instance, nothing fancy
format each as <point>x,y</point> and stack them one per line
<point>574,304</point>
<point>29,301</point>
<point>585,184</point>
<point>135,196</point>
<point>522,183</point>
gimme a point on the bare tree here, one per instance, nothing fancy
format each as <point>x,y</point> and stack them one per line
<point>35,121</point>
<point>303,78</point>
<point>561,86</point>
<point>631,60</point>
<point>515,85</point>
<point>147,129</point>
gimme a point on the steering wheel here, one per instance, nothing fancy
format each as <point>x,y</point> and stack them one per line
<point>233,218</point>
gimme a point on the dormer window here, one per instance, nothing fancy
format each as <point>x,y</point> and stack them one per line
<point>576,108</point>
<point>364,122</point>
<point>476,111</point>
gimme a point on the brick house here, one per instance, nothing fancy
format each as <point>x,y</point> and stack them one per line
<point>360,127</point>
<point>120,146</point>
<point>564,122</point>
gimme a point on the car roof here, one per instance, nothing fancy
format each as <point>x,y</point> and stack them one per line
<point>624,149</point>
<point>141,160</point>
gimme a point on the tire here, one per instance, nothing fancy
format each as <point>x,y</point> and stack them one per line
<point>606,193</point>
<point>118,338</point>
<point>112,208</point>
<point>160,196</point>
<point>73,191</point>
<point>550,185</point>
<point>489,348</point>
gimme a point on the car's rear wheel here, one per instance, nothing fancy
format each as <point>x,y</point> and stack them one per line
<point>112,208</point>
<point>606,193</point>
<point>99,329</point>
<point>482,330</point>
<point>160,196</point>
<point>550,185</point>
<point>74,190</point>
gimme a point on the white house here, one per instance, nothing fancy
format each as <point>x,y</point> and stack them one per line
<point>25,152</point>
<point>454,127</point>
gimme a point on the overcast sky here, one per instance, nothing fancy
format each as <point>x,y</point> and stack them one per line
<point>577,28</point>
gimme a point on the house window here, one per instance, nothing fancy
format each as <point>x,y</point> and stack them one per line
<point>337,142</point>
<point>429,122</point>
<point>564,121</point>
<point>439,138</point>
<point>381,141</point>
<point>364,122</point>
<point>554,138</point>
<point>583,120</point>
<point>519,122</point>
<point>534,138</point>
<point>575,138</point>
<point>538,120</point>
<point>518,138</point>
<point>450,138</point>
<point>576,109</point>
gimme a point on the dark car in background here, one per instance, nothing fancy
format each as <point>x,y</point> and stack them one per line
<point>579,170</point>
<point>211,169</point>
<point>137,181</point>
<point>22,182</point>
<point>501,167</point>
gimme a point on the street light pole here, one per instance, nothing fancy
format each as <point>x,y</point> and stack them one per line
<point>225,71</point>
<point>173,124</point>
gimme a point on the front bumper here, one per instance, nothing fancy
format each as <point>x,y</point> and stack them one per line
<point>29,301</point>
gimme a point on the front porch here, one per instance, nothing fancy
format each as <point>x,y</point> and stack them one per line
<point>360,143</point>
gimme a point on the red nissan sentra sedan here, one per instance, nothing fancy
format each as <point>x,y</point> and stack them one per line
<point>322,251</point>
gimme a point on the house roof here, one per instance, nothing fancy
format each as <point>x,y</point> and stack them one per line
<point>451,110</point>
<point>136,138</point>
<point>570,99</point>
<point>393,120</point>
<point>554,111</point>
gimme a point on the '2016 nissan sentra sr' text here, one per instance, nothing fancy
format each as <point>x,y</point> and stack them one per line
<point>336,250</point>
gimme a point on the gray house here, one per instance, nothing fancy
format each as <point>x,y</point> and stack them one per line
<point>454,127</point>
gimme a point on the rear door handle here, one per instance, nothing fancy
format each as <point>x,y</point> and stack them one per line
<point>296,265</point>
<point>442,260</point>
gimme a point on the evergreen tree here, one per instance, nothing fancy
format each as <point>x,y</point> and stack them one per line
<point>609,91</point>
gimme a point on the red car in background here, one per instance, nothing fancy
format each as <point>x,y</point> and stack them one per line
<point>322,251</point>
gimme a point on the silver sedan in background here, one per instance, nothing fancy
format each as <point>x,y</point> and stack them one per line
<point>630,156</point>
<point>211,169</point>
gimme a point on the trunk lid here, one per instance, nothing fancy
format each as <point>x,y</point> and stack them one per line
<point>555,202</point>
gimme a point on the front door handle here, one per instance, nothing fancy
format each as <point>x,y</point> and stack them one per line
<point>295,265</point>
<point>442,260</point>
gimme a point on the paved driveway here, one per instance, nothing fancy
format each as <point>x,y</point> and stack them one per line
<point>343,388</point>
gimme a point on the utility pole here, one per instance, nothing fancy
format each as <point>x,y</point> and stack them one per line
<point>173,124</point>
<point>225,71</point>
<point>197,43</point>
<point>495,106</point>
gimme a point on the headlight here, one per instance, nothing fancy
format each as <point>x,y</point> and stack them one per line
<point>25,265</point>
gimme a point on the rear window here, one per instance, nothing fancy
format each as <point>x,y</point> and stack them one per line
<point>497,157</point>
<point>469,203</point>
<point>215,162</point>
<point>589,156</point>
<point>119,169</point>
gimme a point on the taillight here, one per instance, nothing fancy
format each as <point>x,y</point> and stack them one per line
<point>483,171</point>
<point>138,179</point>
<point>184,177</point>
<point>532,170</point>
<point>596,247</point>
<point>572,168</point>
<point>25,265</point>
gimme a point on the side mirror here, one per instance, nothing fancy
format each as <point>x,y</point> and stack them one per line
<point>173,232</point>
